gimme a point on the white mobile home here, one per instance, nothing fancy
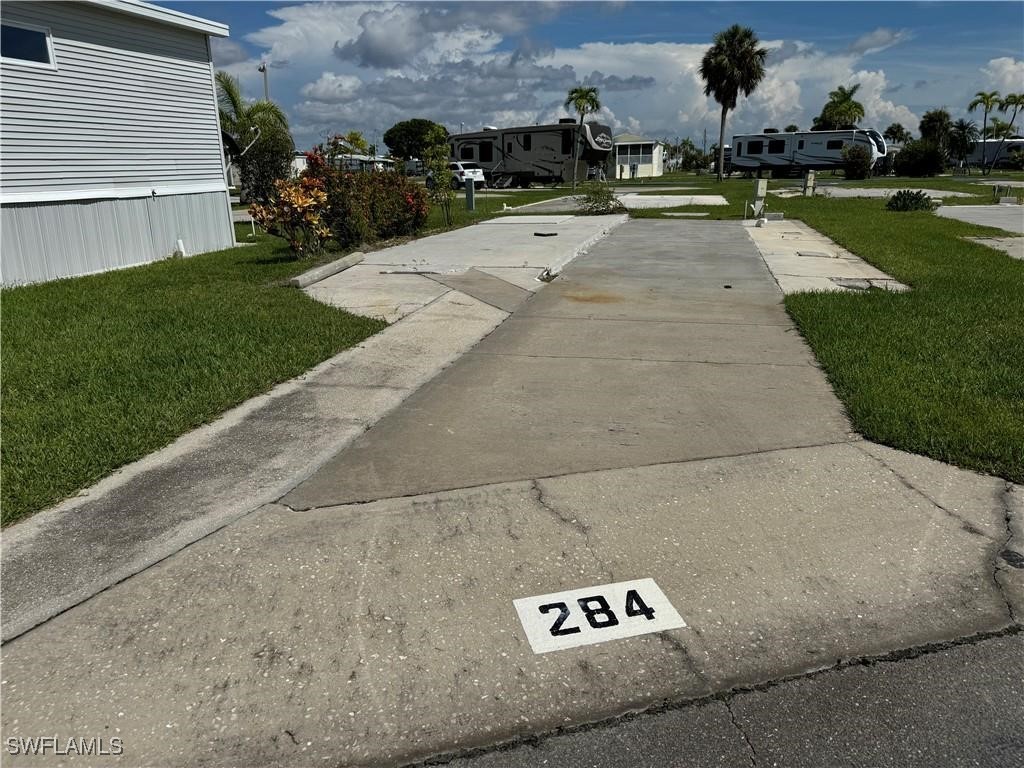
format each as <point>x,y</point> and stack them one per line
<point>110,139</point>
<point>997,152</point>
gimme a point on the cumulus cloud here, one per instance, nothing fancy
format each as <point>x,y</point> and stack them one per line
<point>227,51</point>
<point>332,88</point>
<point>615,83</point>
<point>877,40</point>
<point>1006,74</point>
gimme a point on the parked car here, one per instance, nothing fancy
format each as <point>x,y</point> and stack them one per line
<point>462,173</point>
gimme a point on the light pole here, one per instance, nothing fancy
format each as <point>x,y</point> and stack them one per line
<point>266,83</point>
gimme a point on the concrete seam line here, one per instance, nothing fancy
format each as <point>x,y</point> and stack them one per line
<point>723,697</point>
<point>317,274</point>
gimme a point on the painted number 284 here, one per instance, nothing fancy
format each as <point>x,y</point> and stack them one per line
<point>597,612</point>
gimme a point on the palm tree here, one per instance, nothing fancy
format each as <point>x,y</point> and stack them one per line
<point>962,138</point>
<point>935,127</point>
<point>1012,101</point>
<point>897,134</point>
<point>987,100</point>
<point>239,118</point>
<point>732,64</point>
<point>584,99</point>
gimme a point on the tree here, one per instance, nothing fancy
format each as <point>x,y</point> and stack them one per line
<point>987,100</point>
<point>439,175</point>
<point>1014,102</point>
<point>733,64</point>
<point>792,128</point>
<point>408,138</point>
<point>270,156</point>
<point>962,138</point>
<point>935,127</point>
<point>584,99</point>
<point>998,129</point>
<point>840,111</point>
<point>897,134</point>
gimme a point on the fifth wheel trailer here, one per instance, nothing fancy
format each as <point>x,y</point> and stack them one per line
<point>800,151</point>
<point>538,154</point>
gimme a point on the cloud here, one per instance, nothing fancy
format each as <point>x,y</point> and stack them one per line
<point>616,83</point>
<point>877,40</point>
<point>1006,75</point>
<point>227,51</point>
<point>919,84</point>
<point>895,88</point>
<point>332,88</point>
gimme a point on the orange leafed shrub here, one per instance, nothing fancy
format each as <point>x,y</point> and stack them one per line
<point>296,213</point>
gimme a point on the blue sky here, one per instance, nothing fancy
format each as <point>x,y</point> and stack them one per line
<point>337,67</point>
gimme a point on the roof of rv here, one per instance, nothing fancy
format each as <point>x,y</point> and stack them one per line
<point>491,130</point>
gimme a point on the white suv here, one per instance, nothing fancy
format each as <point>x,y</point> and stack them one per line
<point>463,173</point>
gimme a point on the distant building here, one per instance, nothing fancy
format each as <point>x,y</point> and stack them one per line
<point>110,139</point>
<point>636,157</point>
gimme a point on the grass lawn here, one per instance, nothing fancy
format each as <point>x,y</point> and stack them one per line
<point>938,370</point>
<point>100,370</point>
<point>490,204</point>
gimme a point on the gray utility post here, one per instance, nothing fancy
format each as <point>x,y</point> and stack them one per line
<point>470,195</point>
<point>266,82</point>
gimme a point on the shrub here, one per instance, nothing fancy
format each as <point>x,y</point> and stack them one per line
<point>267,161</point>
<point>856,162</point>
<point>919,158</point>
<point>436,162</point>
<point>296,213</point>
<point>910,200</point>
<point>598,198</point>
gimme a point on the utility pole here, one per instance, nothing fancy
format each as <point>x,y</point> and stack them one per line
<point>266,83</point>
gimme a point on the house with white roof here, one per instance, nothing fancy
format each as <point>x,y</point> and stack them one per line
<point>635,157</point>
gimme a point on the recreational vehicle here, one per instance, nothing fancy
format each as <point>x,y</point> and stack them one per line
<point>997,152</point>
<point>534,153</point>
<point>800,151</point>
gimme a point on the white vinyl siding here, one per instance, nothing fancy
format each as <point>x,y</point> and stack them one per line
<point>129,103</point>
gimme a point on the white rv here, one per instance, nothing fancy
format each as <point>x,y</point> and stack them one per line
<point>800,151</point>
<point>997,152</point>
<point>534,153</point>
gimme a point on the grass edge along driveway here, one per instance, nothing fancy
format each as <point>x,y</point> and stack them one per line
<point>99,371</point>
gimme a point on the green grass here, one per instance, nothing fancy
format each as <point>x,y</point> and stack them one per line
<point>939,370</point>
<point>490,204</point>
<point>100,370</point>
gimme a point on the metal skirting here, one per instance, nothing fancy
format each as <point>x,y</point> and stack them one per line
<point>46,241</point>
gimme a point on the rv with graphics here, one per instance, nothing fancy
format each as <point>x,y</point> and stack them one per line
<point>800,151</point>
<point>534,154</point>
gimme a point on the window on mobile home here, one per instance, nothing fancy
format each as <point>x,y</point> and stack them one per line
<point>26,44</point>
<point>755,147</point>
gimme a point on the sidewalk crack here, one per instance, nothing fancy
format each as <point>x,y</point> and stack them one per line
<point>752,756</point>
<point>575,523</point>
<point>1006,557</point>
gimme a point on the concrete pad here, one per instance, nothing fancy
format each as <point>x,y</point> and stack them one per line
<point>364,290</point>
<point>883,192</point>
<point>669,201</point>
<point>524,220</point>
<point>220,472</point>
<point>486,288</point>
<point>801,259</point>
<point>485,420</point>
<point>525,278</point>
<point>523,335</point>
<point>1007,217</point>
<point>381,633</point>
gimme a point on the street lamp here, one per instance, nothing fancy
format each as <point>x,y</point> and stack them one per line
<point>266,84</point>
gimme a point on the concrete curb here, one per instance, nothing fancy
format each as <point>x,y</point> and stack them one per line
<point>317,274</point>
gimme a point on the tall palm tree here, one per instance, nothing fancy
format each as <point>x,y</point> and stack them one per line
<point>1013,103</point>
<point>987,100</point>
<point>584,99</point>
<point>239,118</point>
<point>734,63</point>
<point>897,134</point>
<point>962,138</point>
<point>935,126</point>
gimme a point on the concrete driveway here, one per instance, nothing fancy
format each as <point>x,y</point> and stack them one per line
<point>649,421</point>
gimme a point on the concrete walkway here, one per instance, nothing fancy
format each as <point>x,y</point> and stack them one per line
<point>651,414</point>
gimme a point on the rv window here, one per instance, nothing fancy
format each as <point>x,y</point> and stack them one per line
<point>739,148</point>
<point>834,144</point>
<point>776,146</point>
<point>486,152</point>
<point>755,147</point>
<point>566,142</point>
<point>800,144</point>
<point>466,153</point>
<point>527,142</point>
<point>508,147</point>
<point>26,44</point>
<point>452,153</point>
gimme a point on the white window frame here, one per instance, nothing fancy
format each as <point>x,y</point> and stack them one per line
<point>51,65</point>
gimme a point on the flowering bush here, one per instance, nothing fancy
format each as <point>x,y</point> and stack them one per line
<point>296,213</point>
